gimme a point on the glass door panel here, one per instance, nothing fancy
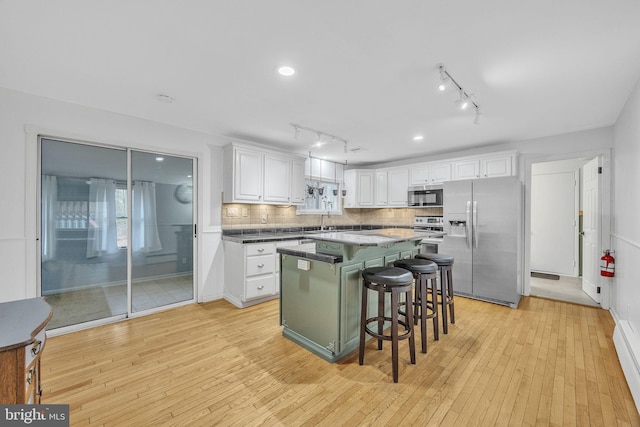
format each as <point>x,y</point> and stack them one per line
<point>83,271</point>
<point>162,230</point>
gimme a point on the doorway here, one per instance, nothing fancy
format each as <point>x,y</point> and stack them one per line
<point>116,231</point>
<point>557,228</point>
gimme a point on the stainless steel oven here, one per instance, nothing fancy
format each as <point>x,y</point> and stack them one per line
<point>429,223</point>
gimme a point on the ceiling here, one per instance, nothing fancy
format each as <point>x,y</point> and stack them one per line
<point>366,70</point>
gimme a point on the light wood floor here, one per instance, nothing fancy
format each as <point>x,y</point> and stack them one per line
<point>546,363</point>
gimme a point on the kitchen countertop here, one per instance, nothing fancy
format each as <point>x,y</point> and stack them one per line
<point>381,237</point>
<point>385,237</point>
<point>281,234</point>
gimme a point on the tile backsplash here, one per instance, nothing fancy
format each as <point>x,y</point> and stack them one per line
<point>238,216</point>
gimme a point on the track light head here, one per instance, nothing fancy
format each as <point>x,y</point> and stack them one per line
<point>478,116</point>
<point>463,102</point>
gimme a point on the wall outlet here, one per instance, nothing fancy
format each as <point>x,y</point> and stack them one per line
<point>263,219</point>
<point>245,212</point>
<point>232,212</point>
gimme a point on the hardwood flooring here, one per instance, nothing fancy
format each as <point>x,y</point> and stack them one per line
<point>546,363</point>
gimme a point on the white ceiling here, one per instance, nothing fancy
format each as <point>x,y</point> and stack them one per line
<point>366,69</point>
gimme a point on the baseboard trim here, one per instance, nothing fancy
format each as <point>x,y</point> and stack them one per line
<point>628,350</point>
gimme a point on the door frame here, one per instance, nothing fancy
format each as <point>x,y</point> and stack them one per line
<point>605,210</point>
<point>32,212</point>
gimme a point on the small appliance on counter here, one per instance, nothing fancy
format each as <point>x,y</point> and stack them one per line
<point>429,223</point>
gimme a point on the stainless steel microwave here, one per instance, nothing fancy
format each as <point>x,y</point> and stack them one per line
<point>425,196</point>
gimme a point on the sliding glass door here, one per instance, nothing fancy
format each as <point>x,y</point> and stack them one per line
<point>116,231</point>
<point>161,230</point>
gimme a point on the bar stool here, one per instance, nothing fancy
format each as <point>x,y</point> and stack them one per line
<point>445,263</point>
<point>395,281</point>
<point>425,274</point>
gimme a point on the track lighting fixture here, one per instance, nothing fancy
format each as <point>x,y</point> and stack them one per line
<point>478,116</point>
<point>466,99</point>
<point>319,134</point>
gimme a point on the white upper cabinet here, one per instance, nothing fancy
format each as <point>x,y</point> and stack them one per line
<point>359,184</point>
<point>297,181</point>
<point>466,169</point>
<point>497,166</point>
<point>381,192</point>
<point>248,175</point>
<point>376,188</point>
<point>419,174</point>
<point>430,173</point>
<point>277,179</point>
<point>485,167</point>
<point>439,172</point>
<point>323,170</point>
<point>397,185</point>
<point>261,176</point>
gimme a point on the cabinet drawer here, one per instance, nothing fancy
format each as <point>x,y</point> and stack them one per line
<point>260,286</point>
<point>33,350</point>
<point>262,264</point>
<point>260,249</point>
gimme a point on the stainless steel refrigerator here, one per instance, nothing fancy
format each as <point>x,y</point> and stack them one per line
<point>483,222</point>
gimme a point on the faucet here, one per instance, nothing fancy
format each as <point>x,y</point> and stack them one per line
<point>322,226</point>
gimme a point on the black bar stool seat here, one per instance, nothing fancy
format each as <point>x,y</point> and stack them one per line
<point>425,301</point>
<point>395,281</point>
<point>445,265</point>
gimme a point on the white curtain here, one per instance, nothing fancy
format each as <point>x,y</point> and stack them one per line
<point>49,202</point>
<point>144,225</point>
<point>103,235</point>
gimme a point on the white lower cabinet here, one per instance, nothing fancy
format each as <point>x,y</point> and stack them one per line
<point>251,271</point>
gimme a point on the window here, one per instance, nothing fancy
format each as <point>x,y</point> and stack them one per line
<point>321,197</point>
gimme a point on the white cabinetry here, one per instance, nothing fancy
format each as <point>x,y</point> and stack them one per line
<point>252,271</point>
<point>466,169</point>
<point>277,179</point>
<point>297,181</point>
<point>439,172</point>
<point>397,185</point>
<point>381,190</point>
<point>491,167</point>
<point>360,186</point>
<point>484,167</point>
<point>252,175</point>
<point>247,175</point>
<point>430,173</point>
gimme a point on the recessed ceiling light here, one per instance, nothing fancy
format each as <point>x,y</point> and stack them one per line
<point>418,138</point>
<point>162,97</point>
<point>286,71</point>
<point>159,159</point>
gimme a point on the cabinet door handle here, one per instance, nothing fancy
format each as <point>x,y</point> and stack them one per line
<point>261,287</point>
<point>260,265</point>
<point>261,250</point>
<point>35,349</point>
<point>29,376</point>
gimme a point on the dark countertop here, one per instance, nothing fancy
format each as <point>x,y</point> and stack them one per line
<point>304,251</point>
<point>20,321</point>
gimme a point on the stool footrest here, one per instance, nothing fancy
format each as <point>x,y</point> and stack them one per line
<point>386,337</point>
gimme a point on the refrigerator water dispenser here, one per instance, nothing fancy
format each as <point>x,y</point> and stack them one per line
<point>457,228</point>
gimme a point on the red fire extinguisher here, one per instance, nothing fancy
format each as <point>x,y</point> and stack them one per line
<point>607,264</point>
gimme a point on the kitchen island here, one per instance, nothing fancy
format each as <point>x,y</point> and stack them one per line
<point>320,289</point>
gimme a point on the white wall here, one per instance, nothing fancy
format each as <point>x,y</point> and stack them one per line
<point>625,240</point>
<point>23,116</point>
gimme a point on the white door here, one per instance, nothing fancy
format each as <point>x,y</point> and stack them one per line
<point>591,229</point>
<point>554,228</point>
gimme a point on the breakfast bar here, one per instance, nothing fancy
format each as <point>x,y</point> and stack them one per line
<point>320,288</point>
